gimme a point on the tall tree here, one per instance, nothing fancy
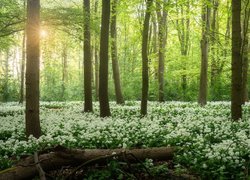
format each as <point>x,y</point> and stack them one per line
<point>144,52</point>
<point>88,107</point>
<point>104,47</point>
<point>245,50</point>
<point>96,55</point>
<point>64,70</point>
<point>32,69</point>
<point>23,63</point>
<point>202,100</point>
<point>236,92</point>
<point>162,37</point>
<point>214,38</point>
<point>115,64</point>
<point>6,93</point>
<point>183,28</point>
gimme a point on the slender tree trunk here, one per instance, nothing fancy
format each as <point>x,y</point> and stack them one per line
<point>214,68</point>
<point>162,37</point>
<point>32,69</point>
<point>245,51</point>
<point>96,71</point>
<point>6,93</point>
<point>236,96</point>
<point>104,46</point>
<point>88,107</point>
<point>115,65</point>
<point>22,68</point>
<point>96,57</point>
<point>145,80</point>
<point>183,29</point>
<point>64,71</point>
<point>204,54</point>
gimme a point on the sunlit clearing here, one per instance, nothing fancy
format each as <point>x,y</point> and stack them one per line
<point>43,33</point>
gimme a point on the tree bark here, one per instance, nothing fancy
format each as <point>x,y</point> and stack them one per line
<point>22,69</point>
<point>245,51</point>
<point>26,169</point>
<point>214,30</point>
<point>32,69</point>
<point>183,29</point>
<point>104,46</point>
<point>162,37</point>
<point>115,64</point>
<point>64,70</point>
<point>144,52</point>
<point>96,58</point>
<point>236,93</point>
<point>202,100</point>
<point>88,107</point>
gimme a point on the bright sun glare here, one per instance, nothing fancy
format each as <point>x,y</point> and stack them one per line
<point>43,33</point>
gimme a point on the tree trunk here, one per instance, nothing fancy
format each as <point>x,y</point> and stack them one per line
<point>88,107</point>
<point>236,96</point>
<point>115,65</point>
<point>6,93</point>
<point>64,70</point>
<point>183,29</point>
<point>245,51</point>
<point>96,59</point>
<point>214,29</point>
<point>162,37</point>
<point>104,46</point>
<point>145,80</point>
<point>22,68</point>
<point>204,54</point>
<point>64,157</point>
<point>32,69</point>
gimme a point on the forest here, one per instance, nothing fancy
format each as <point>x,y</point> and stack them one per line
<point>118,89</point>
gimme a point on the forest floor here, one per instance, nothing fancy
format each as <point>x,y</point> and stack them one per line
<point>209,144</point>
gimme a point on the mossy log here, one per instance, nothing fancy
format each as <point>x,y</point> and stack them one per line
<point>58,157</point>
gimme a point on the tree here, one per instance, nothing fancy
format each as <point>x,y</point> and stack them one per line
<point>204,53</point>
<point>236,92</point>
<point>88,107</point>
<point>115,64</point>
<point>162,37</point>
<point>104,46</point>
<point>183,28</point>
<point>32,69</point>
<point>64,70</point>
<point>23,63</point>
<point>245,50</point>
<point>144,52</point>
<point>214,37</point>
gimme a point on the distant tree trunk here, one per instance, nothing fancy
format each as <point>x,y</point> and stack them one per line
<point>6,78</point>
<point>183,29</point>
<point>245,51</point>
<point>22,68</point>
<point>23,62</point>
<point>104,46</point>
<point>214,29</point>
<point>236,96</point>
<point>32,69</point>
<point>202,100</point>
<point>115,64</point>
<point>155,45</point>
<point>64,70</point>
<point>88,107</point>
<point>96,58</point>
<point>162,37</point>
<point>145,37</point>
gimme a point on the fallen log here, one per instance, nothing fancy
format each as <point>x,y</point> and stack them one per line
<point>26,168</point>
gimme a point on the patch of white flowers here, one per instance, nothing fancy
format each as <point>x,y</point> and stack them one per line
<point>208,141</point>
